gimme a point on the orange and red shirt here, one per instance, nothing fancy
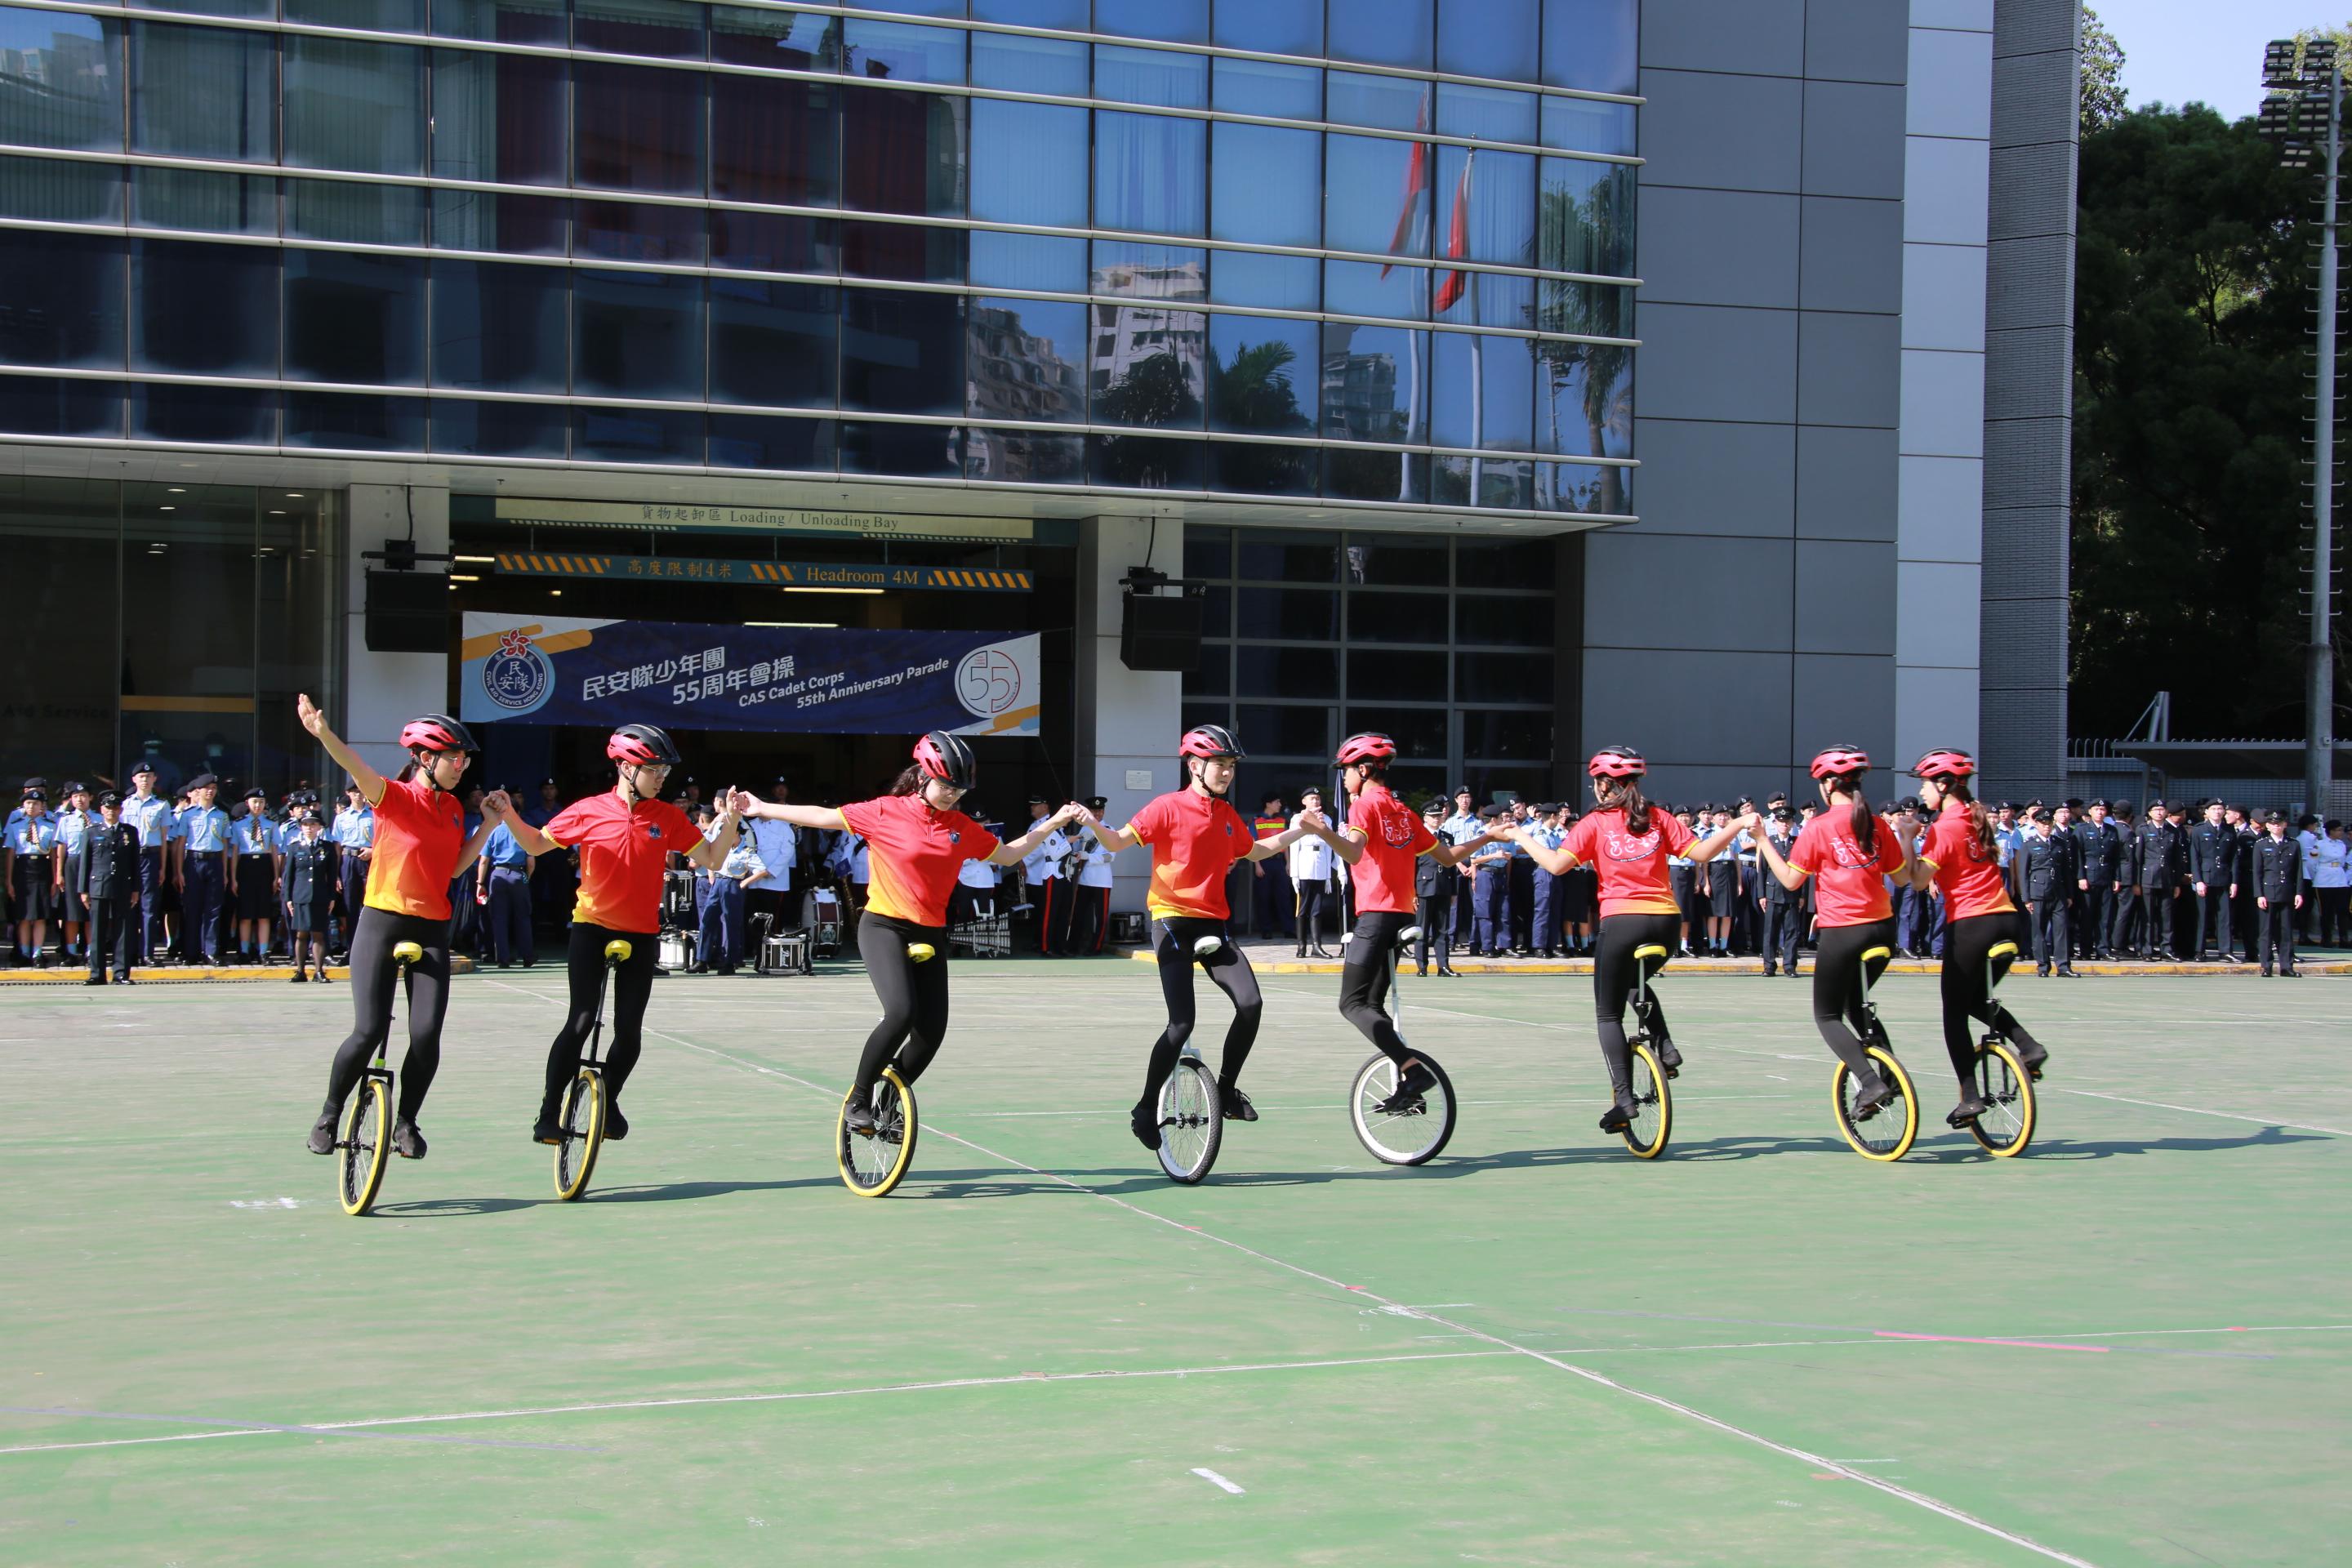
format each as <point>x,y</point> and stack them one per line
<point>1394,837</point>
<point>420,831</point>
<point>1849,883</point>
<point>1633,866</point>
<point>914,854</point>
<point>1195,841</point>
<point>623,850</point>
<point>1968,874</point>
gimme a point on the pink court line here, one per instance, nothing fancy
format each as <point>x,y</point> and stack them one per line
<point>1975,1340</point>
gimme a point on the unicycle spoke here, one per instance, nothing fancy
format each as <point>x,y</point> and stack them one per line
<point>1886,1133</point>
<point>1402,1128</point>
<point>2007,1125</point>
<point>873,1162</point>
<point>1654,1105</point>
<point>1191,1122</point>
<point>583,1134</point>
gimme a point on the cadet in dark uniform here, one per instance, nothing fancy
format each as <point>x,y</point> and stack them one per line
<point>311,864</point>
<point>2278,893</point>
<point>1433,889</point>
<point>2212,857</point>
<point>1783,907</point>
<point>107,888</point>
<point>2123,922</point>
<point>2101,845</point>
<point>2048,879</point>
<point>2163,858</point>
<point>2245,917</point>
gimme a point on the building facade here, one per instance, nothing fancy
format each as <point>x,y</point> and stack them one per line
<point>1329,307</point>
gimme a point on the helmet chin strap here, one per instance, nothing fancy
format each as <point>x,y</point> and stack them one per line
<point>424,761</point>
<point>636,791</point>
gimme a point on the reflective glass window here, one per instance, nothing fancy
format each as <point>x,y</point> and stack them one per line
<point>1208,551</point>
<point>918,7</point>
<point>787,40</point>
<point>772,343</point>
<point>1500,414</point>
<point>1371,289</point>
<point>1028,261</point>
<point>1288,556</point>
<point>1295,615</point>
<point>1165,78</point>
<point>754,441</point>
<point>1382,32</point>
<point>637,436</point>
<point>1069,13</point>
<point>204,92</point>
<point>1298,673</point>
<point>224,415</point>
<point>1276,283</point>
<point>1586,488</point>
<point>637,231</point>
<point>1147,357</point>
<point>1375,383</point>
<point>204,308</point>
<point>1487,199</point>
<point>1505,733</point>
<point>1405,680</point>
<point>60,85</point>
<point>1262,468</point>
<point>664,30</point>
<point>1509,677</point>
<point>1586,393</point>
<point>1377,614</point>
<point>1151,173</point>
<point>902,252</point>
<point>912,451</point>
<point>1487,38</point>
<point>350,211</point>
<point>1488,113</point>
<point>354,317</point>
<point>1029,162</point>
<point>637,334</point>
<point>1259,87</point>
<point>351,105</point>
<point>368,15</point>
<point>1391,103</point>
<point>901,353</point>
<point>1503,563</point>
<point>1492,618</point>
<point>1587,218</point>
<point>65,300</point>
<point>501,21</point>
<point>1016,64</point>
<point>899,51</point>
<point>1418,731</point>
<point>1396,561</point>
<point>519,226</point>
<point>499,429</point>
<point>777,141</point>
<point>1602,310</point>
<point>52,406</point>
<point>1144,462</point>
<point>346,423</point>
<point>499,327</point>
<point>1262,374</point>
<point>60,193</point>
<point>1377,194</point>
<point>1375,475</point>
<point>1024,457</point>
<point>1274,26</point>
<point>201,198</point>
<point>774,242</point>
<point>637,128</point>
<point>1027,360</point>
<point>259,9</point>
<point>1170,21</point>
<point>1592,45</point>
<point>903,152</point>
<point>1266,185</point>
<point>1216,608</point>
<point>498,118</point>
<point>1587,125</point>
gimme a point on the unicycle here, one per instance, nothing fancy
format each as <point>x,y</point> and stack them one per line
<point>1885,1132</point>
<point>1653,1098</point>
<point>2000,1078</point>
<point>584,1102</point>
<point>1190,1112</point>
<point>874,1162</point>
<point>366,1144</point>
<point>1407,1122</point>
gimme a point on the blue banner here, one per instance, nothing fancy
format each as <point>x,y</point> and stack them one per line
<point>547,670</point>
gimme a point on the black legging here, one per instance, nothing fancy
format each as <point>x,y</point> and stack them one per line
<point>1838,989</point>
<point>914,999</point>
<point>1613,975</point>
<point>1172,943</point>
<point>374,973</point>
<point>1965,993</point>
<point>1365,979</point>
<point>633,983</point>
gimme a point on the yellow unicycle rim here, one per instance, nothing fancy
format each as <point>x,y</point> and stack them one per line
<point>1904,1107</point>
<point>1659,1123</point>
<point>583,1157</point>
<point>894,1171</point>
<point>356,1189</point>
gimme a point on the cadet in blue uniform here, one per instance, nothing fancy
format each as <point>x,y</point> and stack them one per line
<point>106,888</point>
<point>308,885</point>
<point>31,871</point>
<point>503,875</point>
<point>74,823</point>
<point>721,894</point>
<point>1461,827</point>
<point>1490,891</point>
<point>159,833</point>
<point>353,831</point>
<point>1544,886</point>
<point>252,876</point>
<point>204,871</point>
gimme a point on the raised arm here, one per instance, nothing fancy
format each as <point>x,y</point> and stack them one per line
<point>824,818</point>
<point>1790,877</point>
<point>1012,851</point>
<point>1345,843</point>
<point>371,782</point>
<point>1714,843</point>
<point>1553,860</point>
<point>495,807</point>
<point>534,842</point>
<point>1112,839</point>
<point>725,829</point>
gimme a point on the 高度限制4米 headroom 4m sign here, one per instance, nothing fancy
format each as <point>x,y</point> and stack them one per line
<point>547,670</point>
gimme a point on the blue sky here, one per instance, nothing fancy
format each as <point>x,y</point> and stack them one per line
<point>2208,51</point>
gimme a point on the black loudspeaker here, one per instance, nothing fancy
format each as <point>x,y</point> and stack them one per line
<point>407,612</point>
<point>1160,633</point>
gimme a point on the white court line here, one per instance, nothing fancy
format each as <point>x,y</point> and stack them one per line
<point>1209,1475</point>
<point>2201,1111</point>
<point>1916,1498</point>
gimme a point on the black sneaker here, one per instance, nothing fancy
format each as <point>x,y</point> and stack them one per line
<point>300,978</point>
<point>1870,1097</point>
<point>1970,1107</point>
<point>1238,1107</point>
<point>1409,1096</point>
<point>1668,1058</point>
<point>616,1126</point>
<point>322,1134</point>
<point>2031,1059</point>
<point>1144,1123</point>
<point>549,1131</point>
<point>859,1118</point>
<point>406,1141</point>
<point>1617,1117</point>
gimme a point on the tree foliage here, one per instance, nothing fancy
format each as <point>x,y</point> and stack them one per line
<point>2102,74</point>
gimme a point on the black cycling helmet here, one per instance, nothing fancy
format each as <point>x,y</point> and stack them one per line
<point>1210,740</point>
<point>947,757</point>
<point>642,745</point>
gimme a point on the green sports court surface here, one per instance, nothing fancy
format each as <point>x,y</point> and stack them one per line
<point>2130,1346</point>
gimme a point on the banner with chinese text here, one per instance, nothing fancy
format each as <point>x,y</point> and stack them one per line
<point>551,669</point>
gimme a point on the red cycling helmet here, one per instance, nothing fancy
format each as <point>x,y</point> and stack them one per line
<point>1370,745</point>
<point>436,733</point>
<point>642,745</point>
<point>1210,740</point>
<point>1616,762</point>
<point>1835,761</point>
<point>1957,764</point>
<point>947,757</point>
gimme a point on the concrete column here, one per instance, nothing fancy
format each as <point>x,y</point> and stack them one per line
<point>1127,720</point>
<point>382,691</point>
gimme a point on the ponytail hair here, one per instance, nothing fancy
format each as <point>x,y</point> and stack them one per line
<point>1981,846</point>
<point>909,781</point>
<point>1864,821</point>
<point>1625,795</point>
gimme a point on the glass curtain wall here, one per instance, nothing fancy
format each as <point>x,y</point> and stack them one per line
<point>909,245</point>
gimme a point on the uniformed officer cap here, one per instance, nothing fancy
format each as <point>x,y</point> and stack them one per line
<point>2123,808</point>
<point>1463,789</point>
<point>1782,813</point>
<point>1489,813</point>
<point>33,783</point>
<point>1096,802</point>
<point>259,794</point>
<point>2274,814</point>
<point>2233,806</point>
<point>201,781</point>
<point>108,797</point>
<point>40,794</point>
<point>75,786</point>
<point>1436,807</point>
<point>147,768</point>
<point>2043,814</point>
<point>549,784</point>
<point>1039,800</point>
<point>1776,798</point>
<point>2102,801</point>
<point>2074,803</point>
